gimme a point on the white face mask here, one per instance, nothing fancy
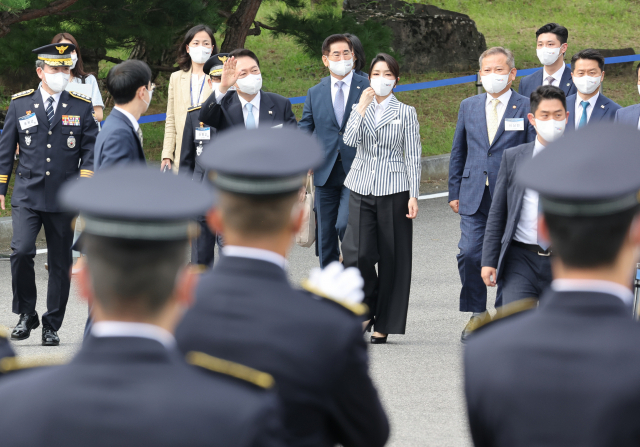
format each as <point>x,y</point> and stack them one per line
<point>150,96</point>
<point>548,56</point>
<point>638,88</point>
<point>341,67</point>
<point>200,54</point>
<point>74,59</point>
<point>382,86</point>
<point>56,81</point>
<point>550,130</point>
<point>586,84</point>
<point>250,84</point>
<point>494,83</point>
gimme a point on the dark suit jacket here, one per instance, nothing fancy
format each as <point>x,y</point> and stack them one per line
<point>189,158</point>
<point>55,154</point>
<point>118,142</point>
<point>275,110</point>
<point>130,391</point>
<point>471,155</point>
<point>530,83</point>
<point>318,117</point>
<point>246,311</point>
<point>605,110</point>
<point>506,206</point>
<point>566,374</point>
<point>628,115</point>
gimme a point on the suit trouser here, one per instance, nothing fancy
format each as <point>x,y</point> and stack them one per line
<point>525,274</point>
<point>59,234</point>
<point>332,211</point>
<point>202,247</point>
<point>380,233</point>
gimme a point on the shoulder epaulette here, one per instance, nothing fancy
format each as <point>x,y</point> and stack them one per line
<point>21,94</point>
<point>81,96</point>
<point>191,109</point>
<point>232,369</point>
<point>12,364</point>
<point>356,308</point>
<point>4,333</point>
<point>504,312</point>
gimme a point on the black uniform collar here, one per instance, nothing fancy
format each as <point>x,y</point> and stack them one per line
<point>595,304</point>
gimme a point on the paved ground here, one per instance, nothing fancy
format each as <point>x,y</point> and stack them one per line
<point>418,374</point>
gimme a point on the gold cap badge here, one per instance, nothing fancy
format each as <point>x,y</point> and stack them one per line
<point>223,59</point>
<point>61,49</point>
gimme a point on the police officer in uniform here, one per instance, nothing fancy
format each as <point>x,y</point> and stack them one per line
<point>56,132</point>
<point>246,311</point>
<point>129,385</point>
<point>567,373</point>
<point>197,137</point>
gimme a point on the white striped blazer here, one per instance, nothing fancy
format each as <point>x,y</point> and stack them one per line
<point>388,156</point>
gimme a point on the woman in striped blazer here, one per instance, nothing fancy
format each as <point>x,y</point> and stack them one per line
<point>384,181</point>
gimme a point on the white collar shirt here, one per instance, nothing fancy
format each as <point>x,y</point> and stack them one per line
<point>594,285</point>
<point>128,329</point>
<point>255,253</point>
<point>501,107</point>
<point>592,102</point>
<point>527,229</point>
<point>45,98</point>
<point>131,118</point>
<point>255,102</point>
<point>345,88</point>
<point>197,86</point>
<point>557,76</point>
<point>381,107</point>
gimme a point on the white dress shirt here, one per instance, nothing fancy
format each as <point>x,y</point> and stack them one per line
<point>45,98</point>
<point>197,87</point>
<point>133,120</point>
<point>527,229</point>
<point>381,107</point>
<point>592,101</point>
<point>255,253</point>
<point>255,102</point>
<point>594,285</point>
<point>129,329</point>
<point>557,76</point>
<point>345,88</point>
<point>502,105</point>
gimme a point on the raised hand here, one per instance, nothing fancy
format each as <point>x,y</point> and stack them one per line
<point>229,74</point>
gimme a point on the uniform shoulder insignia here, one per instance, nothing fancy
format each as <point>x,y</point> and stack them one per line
<point>191,109</point>
<point>356,308</point>
<point>21,94</point>
<point>232,369</point>
<point>13,364</point>
<point>81,96</point>
<point>504,313</point>
<point>4,333</point>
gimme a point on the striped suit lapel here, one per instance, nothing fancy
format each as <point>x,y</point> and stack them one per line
<point>390,112</point>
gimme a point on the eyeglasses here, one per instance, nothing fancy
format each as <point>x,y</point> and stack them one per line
<point>153,87</point>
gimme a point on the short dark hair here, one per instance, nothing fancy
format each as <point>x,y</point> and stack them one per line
<point>326,45</point>
<point>546,92</point>
<point>590,54</point>
<point>257,215</point>
<point>183,58</point>
<point>391,63</point>
<point>358,50</point>
<point>124,80</point>
<point>243,52</point>
<point>560,31</point>
<point>133,277</point>
<point>589,242</point>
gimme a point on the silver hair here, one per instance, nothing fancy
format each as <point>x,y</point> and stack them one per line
<point>499,50</point>
<point>40,64</point>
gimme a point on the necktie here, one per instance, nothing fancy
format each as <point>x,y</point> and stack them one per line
<point>338,104</point>
<point>550,80</point>
<point>49,110</point>
<point>139,132</point>
<point>583,118</point>
<point>492,124</point>
<point>251,120</point>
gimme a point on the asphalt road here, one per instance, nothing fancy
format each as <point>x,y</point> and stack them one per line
<point>418,374</point>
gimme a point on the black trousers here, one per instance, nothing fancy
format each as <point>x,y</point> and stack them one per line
<point>202,247</point>
<point>525,274</point>
<point>57,228</point>
<point>378,232</point>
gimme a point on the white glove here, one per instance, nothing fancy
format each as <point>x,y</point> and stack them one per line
<point>337,283</point>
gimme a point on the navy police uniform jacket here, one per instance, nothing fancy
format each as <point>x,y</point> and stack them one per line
<point>246,311</point>
<point>566,374</point>
<point>49,156</point>
<point>193,147</point>
<point>131,391</point>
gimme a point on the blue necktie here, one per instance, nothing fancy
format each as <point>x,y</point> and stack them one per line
<point>251,120</point>
<point>49,110</point>
<point>338,104</point>
<point>583,118</point>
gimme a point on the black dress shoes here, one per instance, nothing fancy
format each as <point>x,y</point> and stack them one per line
<point>49,336</point>
<point>23,329</point>
<point>378,340</point>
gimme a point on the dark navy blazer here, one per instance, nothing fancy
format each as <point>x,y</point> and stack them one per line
<point>118,142</point>
<point>505,207</point>
<point>530,83</point>
<point>189,157</point>
<point>628,115</point>
<point>566,374</point>
<point>130,391</point>
<point>471,155</point>
<point>605,110</point>
<point>318,117</point>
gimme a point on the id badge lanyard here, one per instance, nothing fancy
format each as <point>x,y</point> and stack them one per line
<point>204,79</point>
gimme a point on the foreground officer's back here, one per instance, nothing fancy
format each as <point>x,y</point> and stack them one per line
<point>567,374</point>
<point>247,311</point>
<point>129,385</point>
